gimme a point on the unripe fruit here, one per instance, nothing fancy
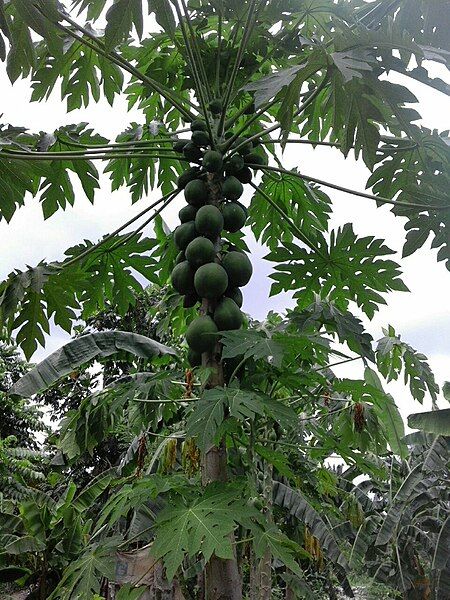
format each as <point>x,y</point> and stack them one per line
<point>183,278</point>
<point>227,315</point>
<point>192,152</point>
<point>200,334</point>
<point>212,161</point>
<point>210,281</point>
<point>200,138</point>
<point>253,158</point>
<point>246,146</point>
<point>194,358</point>
<point>234,216</point>
<point>187,213</point>
<point>215,106</point>
<point>209,221</point>
<point>184,234</point>
<point>244,175</point>
<point>187,176</point>
<point>180,258</point>
<point>238,267</point>
<point>236,295</point>
<point>232,188</point>
<point>234,164</point>
<point>200,251</point>
<point>179,145</point>
<point>198,125</point>
<point>196,192</point>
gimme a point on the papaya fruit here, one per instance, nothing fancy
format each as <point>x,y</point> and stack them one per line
<point>236,295</point>
<point>200,251</point>
<point>183,278</point>
<point>184,234</point>
<point>227,315</point>
<point>212,161</point>
<point>215,106</point>
<point>234,216</point>
<point>196,192</point>
<point>192,152</point>
<point>209,221</point>
<point>187,176</point>
<point>194,358</point>
<point>244,175</point>
<point>178,145</point>
<point>232,188</point>
<point>210,281</point>
<point>198,125</point>
<point>238,267</point>
<point>187,213</point>
<point>190,300</point>
<point>253,158</point>
<point>200,334</point>
<point>200,138</point>
<point>246,146</point>
<point>180,258</point>
<point>234,164</point>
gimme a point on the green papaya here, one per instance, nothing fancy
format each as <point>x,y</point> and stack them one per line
<point>187,213</point>
<point>210,281</point>
<point>215,106</point>
<point>196,193</point>
<point>198,125</point>
<point>227,315</point>
<point>213,161</point>
<point>200,251</point>
<point>244,175</point>
<point>253,158</point>
<point>234,216</point>
<point>209,221</point>
<point>201,334</point>
<point>187,176</point>
<point>234,164</point>
<point>236,295</point>
<point>183,278</point>
<point>245,148</point>
<point>194,358</point>
<point>179,145</point>
<point>200,138</point>
<point>192,152</point>
<point>232,188</point>
<point>184,234</point>
<point>238,267</point>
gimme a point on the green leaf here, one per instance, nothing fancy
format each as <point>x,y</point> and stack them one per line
<point>83,350</point>
<point>252,344</point>
<point>393,355</point>
<point>129,592</point>
<point>202,526</point>
<point>120,18</point>
<point>34,13</point>
<point>280,546</point>
<point>351,62</point>
<point>206,418</point>
<point>435,421</point>
<point>163,15</point>
<point>350,269</point>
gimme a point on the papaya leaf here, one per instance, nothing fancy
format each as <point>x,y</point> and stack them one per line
<point>435,421</point>
<point>252,344</point>
<point>120,18</point>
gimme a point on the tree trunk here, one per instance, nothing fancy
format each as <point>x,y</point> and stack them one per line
<point>222,577</point>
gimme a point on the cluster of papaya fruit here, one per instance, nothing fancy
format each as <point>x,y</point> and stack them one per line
<point>209,269</point>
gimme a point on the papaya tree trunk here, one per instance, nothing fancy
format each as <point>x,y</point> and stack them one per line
<point>222,577</point>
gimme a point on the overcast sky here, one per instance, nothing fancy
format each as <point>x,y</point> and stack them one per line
<point>422,317</point>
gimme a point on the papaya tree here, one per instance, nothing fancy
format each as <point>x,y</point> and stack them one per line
<point>224,87</point>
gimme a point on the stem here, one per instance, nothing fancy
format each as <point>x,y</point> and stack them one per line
<point>107,238</point>
<point>50,156</point>
<point>219,49</point>
<point>246,125</point>
<point>340,188</point>
<point>341,362</point>
<point>301,236</point>
<point>118,60</point>
<point>196,50</point>
<point>88,152</point>
<point>247,32</point>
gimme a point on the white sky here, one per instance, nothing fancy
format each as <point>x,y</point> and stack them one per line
<point>421,317</point>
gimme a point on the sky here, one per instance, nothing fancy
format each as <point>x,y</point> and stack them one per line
<point>422,317</point>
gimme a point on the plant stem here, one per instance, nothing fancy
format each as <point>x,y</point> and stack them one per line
<point>247,32</point>
<point>340,188</point>
<point>50,157</point>
<point>301,236</point>
<point>196,50</point>
<point>219,48</point>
